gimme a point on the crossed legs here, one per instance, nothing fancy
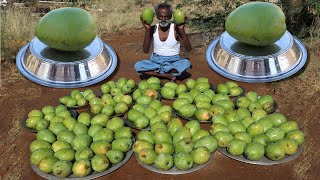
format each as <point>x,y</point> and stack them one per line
<point>165,75</point>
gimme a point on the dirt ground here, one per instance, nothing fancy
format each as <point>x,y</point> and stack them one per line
<point>18,96</point>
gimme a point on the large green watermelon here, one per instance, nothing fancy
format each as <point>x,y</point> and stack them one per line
<point>66,29</point>
<point>256,23</point>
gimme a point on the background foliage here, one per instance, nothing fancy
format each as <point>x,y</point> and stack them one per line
<point>19,18</point>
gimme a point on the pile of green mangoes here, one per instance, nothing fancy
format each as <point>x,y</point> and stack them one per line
<point>110,105</point>
<point>123,85</point>
<point>149,88</point>
<point>245,124</point>
<point>174,144</point>
<point>81,146</point>
<point>171,90</point>
<point>148,107</point>
<point>40,119</point>
<point>77,98</point>
<point>115,99</point>
<point>146,111</point>
<point>94,141</point>
<point>200,101</point>
<point>255,130</point>
<point>229,88</point>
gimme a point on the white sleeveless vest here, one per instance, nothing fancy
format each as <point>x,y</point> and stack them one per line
<point>170,47</point>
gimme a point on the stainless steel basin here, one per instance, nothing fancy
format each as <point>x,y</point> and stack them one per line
<point>246,63</point>
<point>59,69</point>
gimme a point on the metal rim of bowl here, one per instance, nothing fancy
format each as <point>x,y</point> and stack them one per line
<point>287,33</point>
<point>254,79</point>
<point>103,75</point>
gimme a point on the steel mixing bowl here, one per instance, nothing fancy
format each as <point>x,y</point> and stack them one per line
<point>53,68</point>
<point>242,62</point>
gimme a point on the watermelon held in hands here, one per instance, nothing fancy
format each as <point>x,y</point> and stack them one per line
<point>147,15</point>
<point>66,29</point>
<point>179,16</point>
<point>256,23</point>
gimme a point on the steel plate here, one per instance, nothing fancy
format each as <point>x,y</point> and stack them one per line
<point>59,69</point>
<point>245,63</point>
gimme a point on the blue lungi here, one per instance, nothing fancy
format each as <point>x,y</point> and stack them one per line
<point>163,64</point>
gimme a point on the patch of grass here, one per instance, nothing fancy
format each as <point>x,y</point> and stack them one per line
<point>208,15</point>
<point>306,81</point>
<point>302,17</point>
<point>115,16</point>
<point>17,28</point>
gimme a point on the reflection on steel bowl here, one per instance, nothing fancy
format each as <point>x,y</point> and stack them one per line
<point>246,63</point>
<point>54,68</point>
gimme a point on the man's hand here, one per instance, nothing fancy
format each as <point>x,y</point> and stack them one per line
<point>181,27</point>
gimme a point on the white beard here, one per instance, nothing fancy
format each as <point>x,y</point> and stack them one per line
<point>164,23</point>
